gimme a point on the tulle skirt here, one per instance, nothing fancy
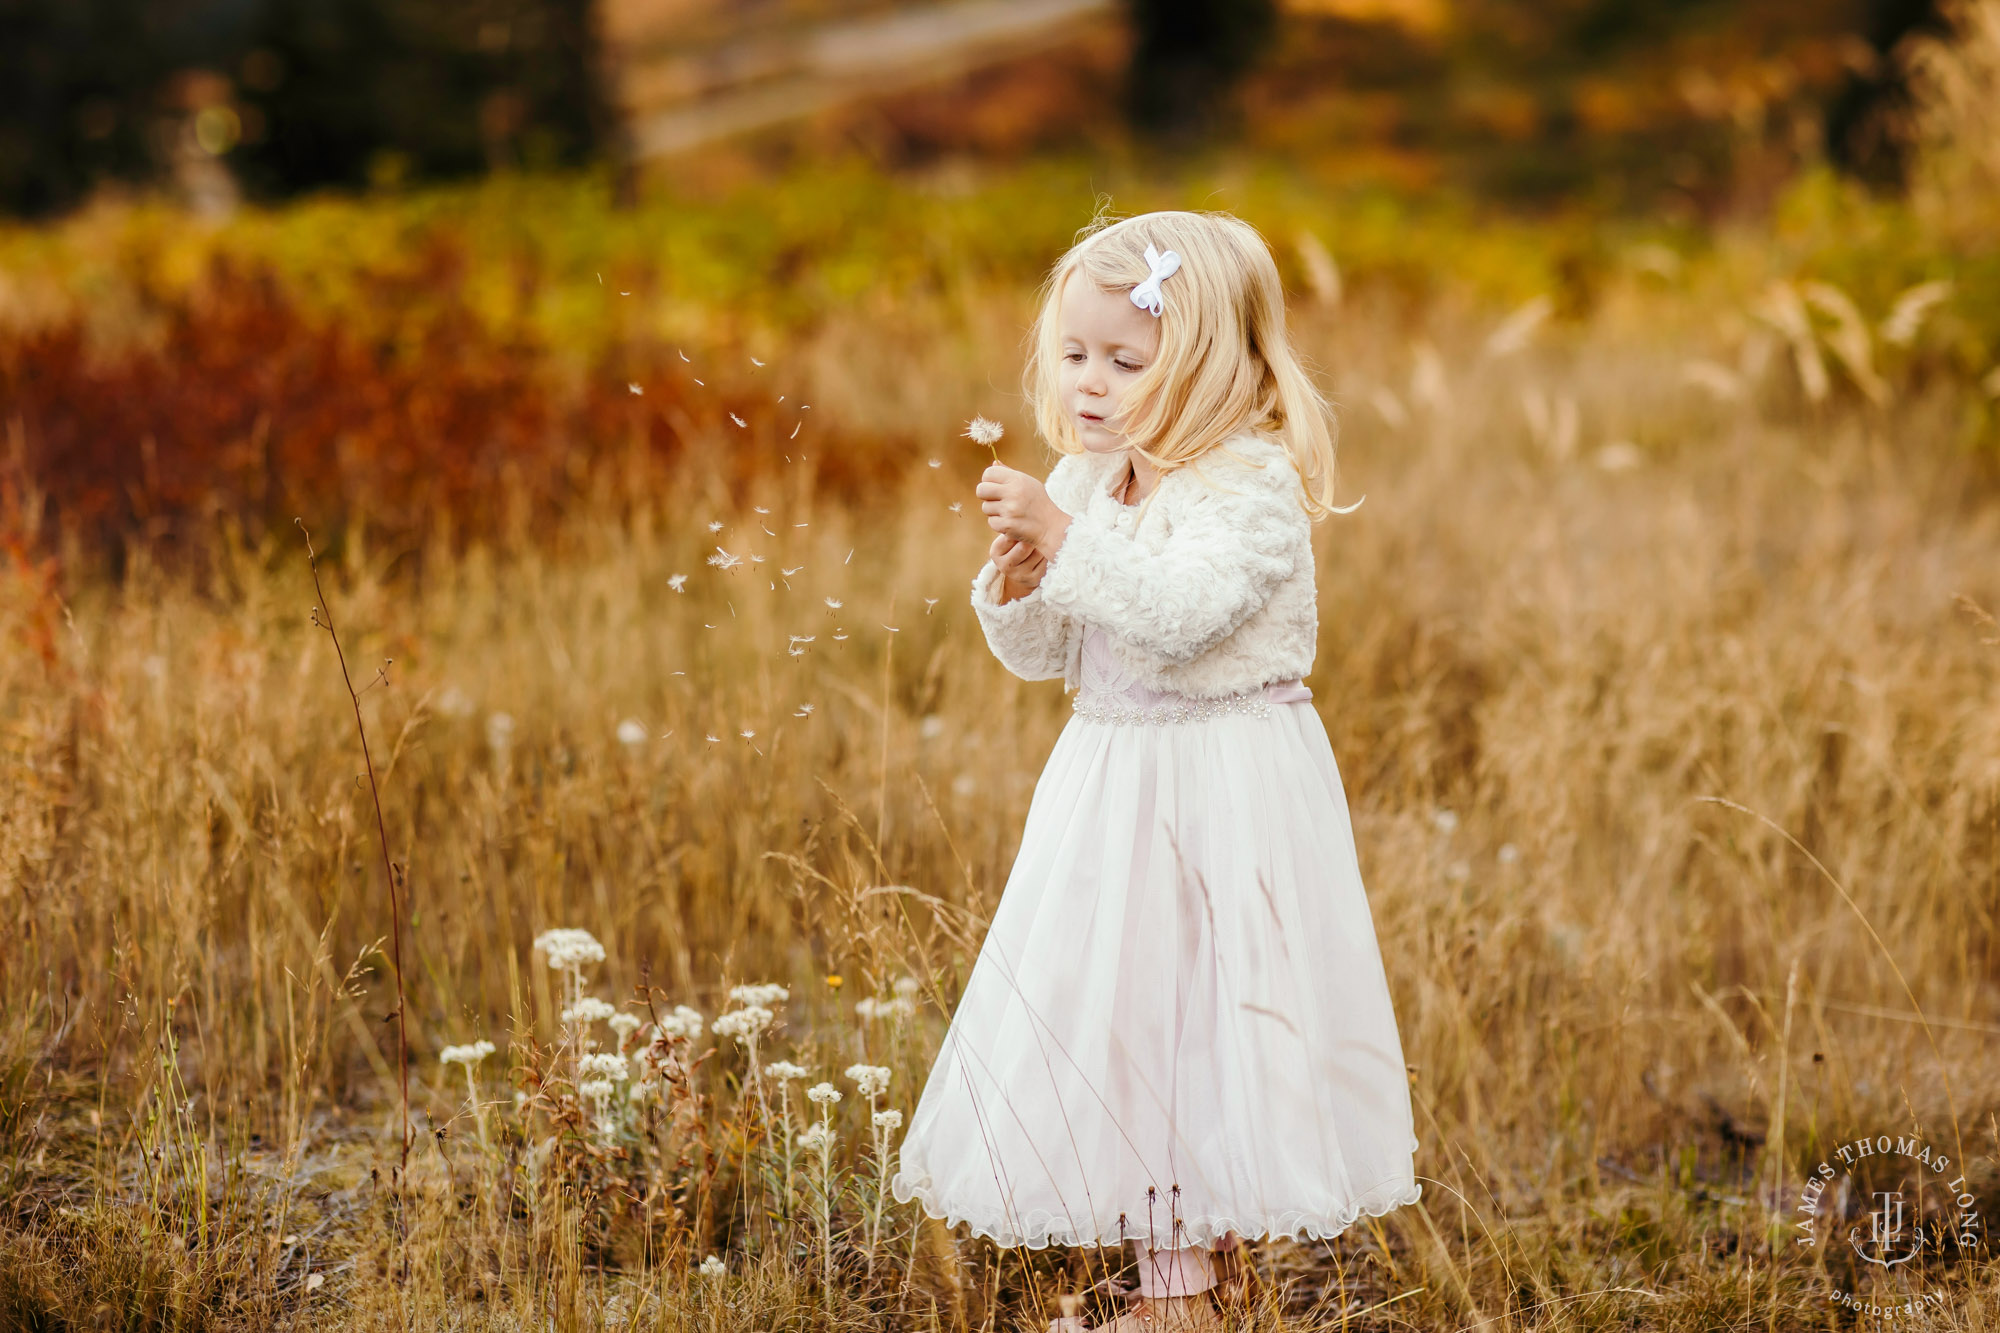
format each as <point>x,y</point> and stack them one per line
<point>1178,1024</point>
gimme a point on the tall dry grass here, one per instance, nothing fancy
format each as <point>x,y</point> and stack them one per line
<point>1662,695</point>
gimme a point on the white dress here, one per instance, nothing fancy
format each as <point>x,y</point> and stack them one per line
<point>1179,1013</point>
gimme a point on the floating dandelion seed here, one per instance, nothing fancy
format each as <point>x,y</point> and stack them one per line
<point>759,509</point>
<point>724,560</point>
<point>706,625</point>
<point>712,740</point>
<point>636,390</point>
<point>678,582</point>
<point>702,383</point>
<point>746,733</point>
<point>755,362</point>
<point>958,507</point>
<point>801,525</point>
<point>624,293</point>
<point>758,559</point>
<point>892,629</point>
<point>982,431</point>
<point>767,531</point>
<point>850,556</point>
<point>789,572</point>
<point>795,432</point>
<point>840,636</point>
<point>795,652</point>
<point>803,638</point>
<point>937,462</point>
<point>929,602</point>
<point>738,420</point>
<point>805,710</point>
<point>715,525</point>
<point>833,603</point>
<point>684,355</point>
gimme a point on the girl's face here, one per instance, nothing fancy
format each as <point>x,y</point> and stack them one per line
<point>1106,342</point>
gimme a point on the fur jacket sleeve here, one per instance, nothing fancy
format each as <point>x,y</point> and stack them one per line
<point>1205,589</point>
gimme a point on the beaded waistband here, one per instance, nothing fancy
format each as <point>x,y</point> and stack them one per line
<point>1112,708</point>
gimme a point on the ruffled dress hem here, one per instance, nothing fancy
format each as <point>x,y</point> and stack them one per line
<point>1044,1230</point>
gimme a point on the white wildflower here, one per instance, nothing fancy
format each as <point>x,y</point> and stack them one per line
<point>889,1119</point>
<point>873,1080</point>
<point>823,1094</point>
<point>908,987</point>
<point>625,1024</point>
<point>596,1090</point>
<point>1445,820</point>
<point>603,1064</point>
<point>632,732</point>
<point>784,1071</point>
<point>683,1023</point>
<point>713,1267</point>
<point>465,1055</point>
<point>816,1137</point>
<point>569,948</point>
<point>499,731</point>
<point>743,1024</point>
<point>589,1009</point>
<point>766,993</point>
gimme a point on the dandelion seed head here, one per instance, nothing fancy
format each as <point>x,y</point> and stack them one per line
<point>983,431</point>
<point>715,525</point>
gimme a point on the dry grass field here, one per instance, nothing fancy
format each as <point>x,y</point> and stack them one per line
<point>1660,663</point>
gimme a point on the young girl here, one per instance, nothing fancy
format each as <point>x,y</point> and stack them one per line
<point>1178,1030</point>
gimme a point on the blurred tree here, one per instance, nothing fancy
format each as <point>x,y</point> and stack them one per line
<point>1864,125</point>
<point>289,94</point>
<point>359,91</point>
<point>1187,57</point>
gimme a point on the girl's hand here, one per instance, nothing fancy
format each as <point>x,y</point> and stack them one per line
<point>1021,568</point>
<point>1017,506</point>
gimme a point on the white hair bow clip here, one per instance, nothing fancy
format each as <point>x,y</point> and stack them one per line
<point>1147,294</point>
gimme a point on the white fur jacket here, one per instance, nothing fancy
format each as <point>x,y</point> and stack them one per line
<point>1205,587</point>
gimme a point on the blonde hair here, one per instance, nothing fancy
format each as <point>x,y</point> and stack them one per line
<point>1224,362</point>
